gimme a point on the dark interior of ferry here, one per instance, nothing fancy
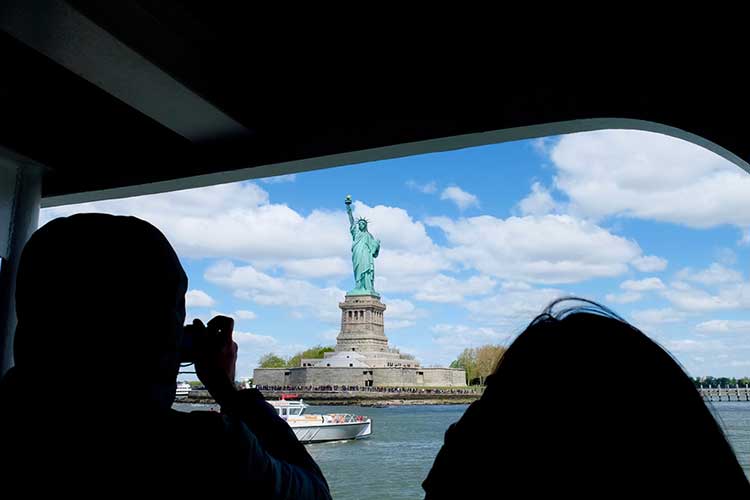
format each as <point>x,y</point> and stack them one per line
<point>101,100</point>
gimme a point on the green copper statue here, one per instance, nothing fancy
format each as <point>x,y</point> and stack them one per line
<point>365,249</point>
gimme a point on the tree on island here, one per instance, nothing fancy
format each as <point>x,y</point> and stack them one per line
<point>467,360</point>
<point>479,362</point>
<point>315,352</point>
<point>487,359</point>
<point>271,360</point>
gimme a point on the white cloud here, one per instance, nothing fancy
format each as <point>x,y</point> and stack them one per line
<point>402,309</point>
<point>542,144</point>
<point>461,198</point>
<point>538,202</point>
<point>397,324</point>
<point>238,221</point>
<point>230,221</point>
<point>251,284</point>
<point>512,309</point>
<point>401,313</point>
<point>458,337</point>
<point>688,298</point>
<point>693,346</point>
<point>623,298</point>
<point>723,326</point>
<point>198,298</point>
<point>650,176</point>
<point>542,249</point>
<point>393,226</point>
<point>715,274</point>
<point>649,264</point>
<point>428,188</point>
<point>661,316</point>
<point>329,335</point>
<point>726,256</point>
<point>279,179</point>
<point>243,314</point>
<point>322,267</point>
<point>444,288</point>
<point>243,338</point>
<point>643,285</point>
<point>403,271</point>
<point>515,286</point>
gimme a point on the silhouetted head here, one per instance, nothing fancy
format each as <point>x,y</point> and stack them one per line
<point>100,301</point>
<point>583,402</point>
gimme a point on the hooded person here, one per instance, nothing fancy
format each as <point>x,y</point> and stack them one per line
<point>100,302</point>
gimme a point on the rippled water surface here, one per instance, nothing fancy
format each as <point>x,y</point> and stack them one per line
<point>394,461</point>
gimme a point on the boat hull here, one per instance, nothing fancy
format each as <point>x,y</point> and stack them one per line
<point>332,432</point>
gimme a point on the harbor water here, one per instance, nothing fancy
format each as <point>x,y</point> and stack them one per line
<point>394,461</point>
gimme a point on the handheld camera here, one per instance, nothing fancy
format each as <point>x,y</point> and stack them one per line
<point>197,336</point>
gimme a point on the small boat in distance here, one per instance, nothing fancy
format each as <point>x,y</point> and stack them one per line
<point>313,428</point>
<point>183,390</point>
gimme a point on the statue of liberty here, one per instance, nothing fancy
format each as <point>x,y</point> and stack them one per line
<point>365,249</point>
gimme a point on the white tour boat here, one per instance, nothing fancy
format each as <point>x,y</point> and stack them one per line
<point>312,428</point>
<point>183,389</point>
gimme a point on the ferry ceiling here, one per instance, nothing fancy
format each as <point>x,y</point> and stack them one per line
<point>131,97</point>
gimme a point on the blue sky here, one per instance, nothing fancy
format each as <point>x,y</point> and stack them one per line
<point>474,243</point>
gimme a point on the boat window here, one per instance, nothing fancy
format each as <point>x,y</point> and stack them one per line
<point>450,308</point>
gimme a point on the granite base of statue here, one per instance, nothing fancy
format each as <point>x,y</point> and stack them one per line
<point>362,324</point>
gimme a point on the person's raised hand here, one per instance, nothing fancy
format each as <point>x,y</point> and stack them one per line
<point>216,357</point>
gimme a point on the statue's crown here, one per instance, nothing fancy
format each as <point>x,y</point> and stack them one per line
<point>362,219</point>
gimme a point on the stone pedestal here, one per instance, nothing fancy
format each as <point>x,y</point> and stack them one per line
<point>362,325</point>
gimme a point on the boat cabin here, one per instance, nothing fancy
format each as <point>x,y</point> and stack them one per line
<point>287,408</point>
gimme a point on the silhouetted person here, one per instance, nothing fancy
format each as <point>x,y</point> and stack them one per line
<point>583,405</point>
<point>87,408</point>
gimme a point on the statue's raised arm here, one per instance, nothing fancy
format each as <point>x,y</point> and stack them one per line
<point>348,202</point>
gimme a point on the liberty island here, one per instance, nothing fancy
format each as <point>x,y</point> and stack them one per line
<point>362,356</point>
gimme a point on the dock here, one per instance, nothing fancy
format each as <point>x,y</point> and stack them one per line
<point>715,394</point>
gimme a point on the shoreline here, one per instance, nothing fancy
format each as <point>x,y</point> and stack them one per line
<point>364,399</point>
